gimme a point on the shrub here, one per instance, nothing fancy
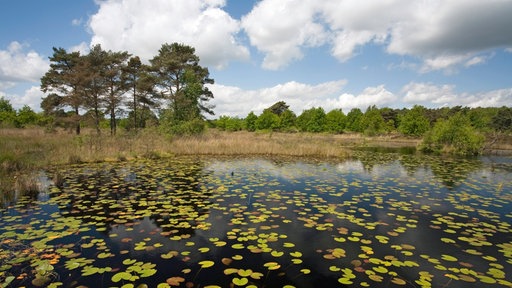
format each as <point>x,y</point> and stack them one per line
<point>455,135</point>
<point>414,122</point>
<point>192,127</point>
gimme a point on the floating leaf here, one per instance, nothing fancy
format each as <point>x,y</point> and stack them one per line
<point>240,281</point>
<point>175,281</point>
<point>206,264</point>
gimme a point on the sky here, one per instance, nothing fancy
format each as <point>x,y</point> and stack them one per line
<point>334,54</point>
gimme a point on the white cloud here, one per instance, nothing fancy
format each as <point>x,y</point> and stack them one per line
<point>445,34</point>
<point>17,65</point>
<point>280,28</point>
<point>233,101</point>
<point>378,96</point>
<point>426,93</point>
<point>83,48</point>
<point>141,29</point>
<point>432,95</point>
<point>495,98</point>
<point>31,97</point>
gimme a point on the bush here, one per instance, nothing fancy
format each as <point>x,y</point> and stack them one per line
<point>414,122</point>
<point>312,120</point>
<point>455,135</point>
<point>192,127</point>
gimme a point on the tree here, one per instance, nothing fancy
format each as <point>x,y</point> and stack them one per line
<point>454,135</point>
<point>182,82</point>
<point>250,121</point>
<point>287,120</point>
<point>7,113</point>
<point>335,121</point>
<point>354,120</point>
<point>63,79</point>
<point>278,108</point>
<point>268,121</point>
<point>93,83</point>
<point>502,121</point>
<point>414,122</point>
<point>116,86</point>
<point>312,120</point>
<point>134,73</point>
<point>481,118</point>
<point>226,123</point>
<point>26,116</point>
<point>372,122</point>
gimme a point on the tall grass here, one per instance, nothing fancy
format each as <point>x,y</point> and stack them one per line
<point>22,149</point>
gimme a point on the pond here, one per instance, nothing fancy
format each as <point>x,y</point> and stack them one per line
<point>377,220</point>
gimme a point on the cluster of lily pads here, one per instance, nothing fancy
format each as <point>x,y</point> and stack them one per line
<point>376,221</point>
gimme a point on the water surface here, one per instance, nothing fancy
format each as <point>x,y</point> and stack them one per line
<point>378,220</point>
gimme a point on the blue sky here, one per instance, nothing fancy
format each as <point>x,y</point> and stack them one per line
<point>308,53</point>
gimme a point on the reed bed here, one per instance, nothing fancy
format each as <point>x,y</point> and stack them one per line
<point>26,148</point>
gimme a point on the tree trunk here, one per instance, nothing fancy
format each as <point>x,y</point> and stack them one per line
<point>134,108</point>
<point>97,119</point>
<point>77,127</point>
<point>113,124</point>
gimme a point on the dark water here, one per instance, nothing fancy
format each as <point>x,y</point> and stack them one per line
<point>378,220</point>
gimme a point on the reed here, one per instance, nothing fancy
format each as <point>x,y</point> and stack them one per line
<point>271,144</point>
<point>22,149</point>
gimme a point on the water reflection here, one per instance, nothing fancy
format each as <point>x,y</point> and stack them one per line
<point>382,217</point>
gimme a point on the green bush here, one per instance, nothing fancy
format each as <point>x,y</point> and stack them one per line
<point>312,120</point>
<point>454,135</point>
<point>414,122</point>
<point>268,121</point>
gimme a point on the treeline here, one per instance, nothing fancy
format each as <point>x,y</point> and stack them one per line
<point>118,85</point>
<point>459,130</point>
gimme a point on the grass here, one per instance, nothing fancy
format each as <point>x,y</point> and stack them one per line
<point>26,148</point>
<point>25,151</point>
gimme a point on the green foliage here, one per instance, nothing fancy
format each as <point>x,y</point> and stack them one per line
<point>278,108</point>
<point>354,120</point>
<point>481,118</point>
<point>372,123</point>
<point>502,121</point>
<point>192,127</point>
<point>181,81</point>
<point>312,120</point>
<point>455,135</point>
<point>268,121</point>
<point>7,113</point>
<point>335,121</point>
<point>26,116</point>
<point>226,123</point>
<point>250,121</point>
<point>414,122</point>
<point>288,119</point>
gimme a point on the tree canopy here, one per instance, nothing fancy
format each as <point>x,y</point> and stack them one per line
<point>109,82</point>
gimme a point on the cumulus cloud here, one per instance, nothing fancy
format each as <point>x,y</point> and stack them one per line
<point>18,65</point>
<point>233,101</point>
<point>83,48</point>
<point>432,95</point>
<point>141,29</point>
<point>31,97</point>
<point>280,28</point>
<point>236,102</point>
<point>444,34</point>
<point>378,96</point>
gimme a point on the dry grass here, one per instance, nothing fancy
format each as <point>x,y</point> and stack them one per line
<point>247,143</point>
<point>25,148</point>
